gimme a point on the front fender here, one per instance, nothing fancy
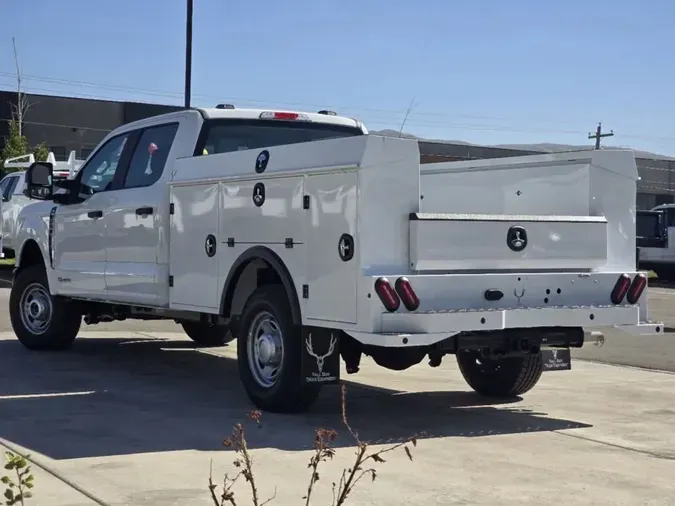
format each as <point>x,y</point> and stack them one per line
<point>32,225</point>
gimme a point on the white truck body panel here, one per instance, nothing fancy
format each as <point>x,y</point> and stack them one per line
<point>476,242</point>
<point>578,209</point>
<point>368,186</point>
<point>599,183</point>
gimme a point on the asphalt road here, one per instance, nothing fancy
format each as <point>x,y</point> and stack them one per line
<point>653,352</point>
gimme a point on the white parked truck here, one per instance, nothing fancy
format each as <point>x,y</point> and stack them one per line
<point>13,198</point>
<point>655,232</point>
<point>306,239</point>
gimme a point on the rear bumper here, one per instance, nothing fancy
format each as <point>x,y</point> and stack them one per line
<point>430,327</point>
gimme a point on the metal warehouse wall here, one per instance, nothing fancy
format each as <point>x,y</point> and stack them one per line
<point>657,184</point>
<point>440,152</point>
<point>66,124</point>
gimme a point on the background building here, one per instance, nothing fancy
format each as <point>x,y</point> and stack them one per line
<point>66,124</point>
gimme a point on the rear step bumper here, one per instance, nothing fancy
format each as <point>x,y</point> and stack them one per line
<point>430,327</point>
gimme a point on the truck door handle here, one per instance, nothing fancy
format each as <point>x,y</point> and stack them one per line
<point>95,214</point>
<point>144,211</point>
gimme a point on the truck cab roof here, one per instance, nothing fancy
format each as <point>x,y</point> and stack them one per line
<point>272,115</point>
<point>281,114</point>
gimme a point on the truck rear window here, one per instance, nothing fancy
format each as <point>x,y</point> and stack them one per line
<point>224,136</point>
<point>648,225</point>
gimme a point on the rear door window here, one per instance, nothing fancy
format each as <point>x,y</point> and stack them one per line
<point>225,136</point>
<point>648,224</point>
<point>150,156</point>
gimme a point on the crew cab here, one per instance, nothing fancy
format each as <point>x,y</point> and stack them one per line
<point>306,239</point>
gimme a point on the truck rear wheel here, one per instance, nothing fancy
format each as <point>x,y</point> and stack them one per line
<point>204,334</point>
<point>269,354</point>
<point>40,320</point>
<point>506,377</point>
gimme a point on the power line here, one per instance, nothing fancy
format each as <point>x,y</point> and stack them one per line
<point>57,125</point>
<point>378,119</point>
<point>390,115</point>
<point>375,116</point>
<point>178,95</point>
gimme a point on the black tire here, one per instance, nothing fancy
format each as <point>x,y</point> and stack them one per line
<point>286,392</point>
<point>506,377</point>
<point>61,323</point>
<point>204,334</point>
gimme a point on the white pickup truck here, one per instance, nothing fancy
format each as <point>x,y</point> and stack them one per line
<point>307,239</point>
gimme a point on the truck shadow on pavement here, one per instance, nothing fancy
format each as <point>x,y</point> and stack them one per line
<point>127,396</point>
<point>6,276</point>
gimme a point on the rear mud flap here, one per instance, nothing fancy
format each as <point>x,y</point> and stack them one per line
<point>320,355</point>
<point>556,359</point>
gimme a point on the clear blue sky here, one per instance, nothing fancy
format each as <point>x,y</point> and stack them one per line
<point>484,71</point>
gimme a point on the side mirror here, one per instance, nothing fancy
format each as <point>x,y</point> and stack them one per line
<point>39,181</point>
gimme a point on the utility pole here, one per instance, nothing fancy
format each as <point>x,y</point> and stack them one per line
<point>599,135</point>
<point>188,54</point>
<point>22,105</point>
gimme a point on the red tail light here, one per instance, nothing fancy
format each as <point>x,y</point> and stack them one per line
<point>387,294</point>
<point>620,289</point>
<point>636,288</point>
<point>288,116</point>
<point>407,294</point>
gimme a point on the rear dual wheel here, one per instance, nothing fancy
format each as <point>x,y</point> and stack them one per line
<point>506,377</point>
<point>269,354</point>
<point>205,334</point>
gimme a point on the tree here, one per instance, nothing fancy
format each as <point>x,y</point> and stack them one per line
<point>17,145</point>
<point>41,151</point>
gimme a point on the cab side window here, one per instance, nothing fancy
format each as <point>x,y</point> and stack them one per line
<point>150,155</point>
<point>99,171</point>
<point>11,189</point>
<point>6,186</point>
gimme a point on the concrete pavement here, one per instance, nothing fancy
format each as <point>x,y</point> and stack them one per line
<point>135,419</point>
<point>134,414</point>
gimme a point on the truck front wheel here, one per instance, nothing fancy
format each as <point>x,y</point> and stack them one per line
<point>40,320</point>
<point>269,354</point>
<point>204,334</point>
<point>506,377</point>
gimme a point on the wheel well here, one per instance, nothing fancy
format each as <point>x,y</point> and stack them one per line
<point>30,255</point>
<point>256,267</point>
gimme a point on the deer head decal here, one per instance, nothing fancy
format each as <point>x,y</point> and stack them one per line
<point>320,358</point>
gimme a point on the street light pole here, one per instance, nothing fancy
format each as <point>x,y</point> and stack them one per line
<point>188,54</point>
